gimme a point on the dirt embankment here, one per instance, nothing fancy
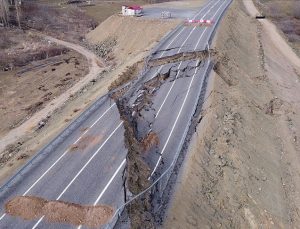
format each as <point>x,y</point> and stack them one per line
<point>133,35</point>
<point>241,170</point>
<point>24,142</point>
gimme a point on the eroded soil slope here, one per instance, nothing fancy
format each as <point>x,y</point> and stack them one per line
<point>133,35</point>
<point>242,168</point>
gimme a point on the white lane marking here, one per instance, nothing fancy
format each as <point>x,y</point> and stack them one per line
<point>176,37</point>
<point>207,27</point>
<point>170,89</point>
<point>81,170</point>
<point>63,154</point>
<point>105,188</point>
<point>107,185</point>
<point>168,139</point>
<point>38,222</point>
<point>103,115</point>
<point>2,216</point>
<point>183,30</point>
<point>109,182</point>
<point>174,125</point>
<point>41,177</point>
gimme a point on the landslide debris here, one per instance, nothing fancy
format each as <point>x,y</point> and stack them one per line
<point>133,100</point>
<point>182,56</point>
<point>130,73</point>
<point>242,165</point>
<point>32,208</point>
<point>137,171</point>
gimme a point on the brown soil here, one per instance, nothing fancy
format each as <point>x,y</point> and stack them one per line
<point>286,16</point>
<point>24,93</point>
<point>86,142</point>
<point>19,48</point>
<point>130,73</point>
<point>32,208</point>
<point>150,141</point>
<point>27,140</point>
<point>133,35</point>
<point>242,166</point>
<point>183,56</point>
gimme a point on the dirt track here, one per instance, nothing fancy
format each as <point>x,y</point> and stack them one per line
<point>94,70</point>
<point>242,167</point>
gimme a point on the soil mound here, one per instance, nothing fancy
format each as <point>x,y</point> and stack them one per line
<point>133,35</point>
<point>30,208</point>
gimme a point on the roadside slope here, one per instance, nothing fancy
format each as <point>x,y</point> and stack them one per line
<point>23,142</point>
<point>30,124</point>
<point>134,35</point>
<point>240,170</point>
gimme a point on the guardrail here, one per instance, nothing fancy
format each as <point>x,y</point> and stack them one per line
<point>160,183</point>
<point>41,154</point>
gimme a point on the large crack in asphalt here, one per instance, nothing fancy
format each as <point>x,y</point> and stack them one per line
<point>135,104</point>
<point>182,56</point>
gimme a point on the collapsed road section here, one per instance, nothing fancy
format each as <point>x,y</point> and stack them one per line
<point>138,106</point>
<point>159,110</point>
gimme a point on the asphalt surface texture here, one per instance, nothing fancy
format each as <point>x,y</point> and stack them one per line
<point>88,164</point>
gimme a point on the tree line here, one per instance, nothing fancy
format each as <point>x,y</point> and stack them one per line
<point>10,11</point>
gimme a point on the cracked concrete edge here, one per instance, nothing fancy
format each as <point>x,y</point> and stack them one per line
<point>194,121</point>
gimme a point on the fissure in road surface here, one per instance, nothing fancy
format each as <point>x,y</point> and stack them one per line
<point>133,102</point>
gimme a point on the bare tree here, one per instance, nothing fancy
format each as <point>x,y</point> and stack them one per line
<point>17,6</point>
<point>4,12</point>
<point>10,12</point>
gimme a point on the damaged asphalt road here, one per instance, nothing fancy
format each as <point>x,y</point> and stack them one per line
<point>158,106</point>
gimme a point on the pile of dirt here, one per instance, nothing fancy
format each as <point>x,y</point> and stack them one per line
<point>33,208</point>
<point>137,171</point>
<point>130,73</point>
<point>183,56</point>
<point>242,166</point>
<point>86,142</point>
<point>133,35</point>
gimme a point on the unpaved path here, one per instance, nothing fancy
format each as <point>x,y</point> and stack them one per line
<point>274,35</point>
<point>95,67</point>
<point>242,166</point>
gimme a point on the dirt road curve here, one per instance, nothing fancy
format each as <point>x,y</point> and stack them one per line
<point>96,65</point>
<point>274,35</point>
<point>94,61</point>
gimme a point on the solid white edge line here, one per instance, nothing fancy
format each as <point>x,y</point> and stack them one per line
<point>103,191</point>
<point>173,83</point>
<point>158,161</point>
<point>174,125</point>
<point>109,182</point>
<point>107,185</point>
<point>38,222</point>
<point>176,37</point>
<point>86,164</point>
<point>103,115</point>
<point>41,177</point>
<point>61,156</point>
